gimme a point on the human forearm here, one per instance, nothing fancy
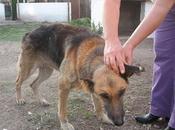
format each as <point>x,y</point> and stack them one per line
<point>150,22</point>
<point>111,19</point>
<point>112,51</point>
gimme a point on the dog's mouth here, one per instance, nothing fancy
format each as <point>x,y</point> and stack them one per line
<point>119,122</point>
<point>114,120</point>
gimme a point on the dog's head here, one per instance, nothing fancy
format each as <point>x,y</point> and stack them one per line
<point>110,87</point>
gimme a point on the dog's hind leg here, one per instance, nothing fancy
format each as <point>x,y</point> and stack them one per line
<point>98,107</point>
<point>25,66</point>
<point>44,73</point>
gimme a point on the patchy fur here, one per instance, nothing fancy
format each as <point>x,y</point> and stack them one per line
<point>78,54</point>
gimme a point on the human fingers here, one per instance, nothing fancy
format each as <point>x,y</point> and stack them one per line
<point>129,60</point>
<point>121,66</point>
<point>113,64</point>
<point>107,61</point>
<point>128,57</point>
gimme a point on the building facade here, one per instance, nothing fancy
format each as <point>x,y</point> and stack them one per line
<point>131,14</point>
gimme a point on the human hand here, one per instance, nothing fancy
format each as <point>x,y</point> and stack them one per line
<point>113,56</point>
<point>128,53</point>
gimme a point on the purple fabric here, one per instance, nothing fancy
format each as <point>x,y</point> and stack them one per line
<point>163,90</point>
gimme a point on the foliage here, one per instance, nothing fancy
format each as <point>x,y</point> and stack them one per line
<point>82,22</point>
<point>97,28</point>
<point>86,22</point>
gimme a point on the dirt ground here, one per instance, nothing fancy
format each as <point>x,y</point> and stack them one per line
<point>32,116</point>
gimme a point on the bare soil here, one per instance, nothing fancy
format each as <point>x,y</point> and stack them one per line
<point>33,116</point>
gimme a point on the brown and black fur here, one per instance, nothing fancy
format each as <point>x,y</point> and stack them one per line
<point>78,54</point>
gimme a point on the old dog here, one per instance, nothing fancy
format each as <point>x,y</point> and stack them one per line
<point>77,54</point>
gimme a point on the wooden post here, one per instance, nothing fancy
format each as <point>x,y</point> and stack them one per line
<point>14,11</point>
<point>85,8</point>
<point>18,10</point>
<point>68,6</point>
<point>75,9</point>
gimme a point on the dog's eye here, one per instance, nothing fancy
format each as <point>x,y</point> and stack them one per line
<point>121,92</point>
<point>105,95</point>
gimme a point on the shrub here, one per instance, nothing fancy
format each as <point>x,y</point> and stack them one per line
<point>86,22</point>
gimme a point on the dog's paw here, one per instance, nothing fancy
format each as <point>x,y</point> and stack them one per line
<point>67,126</point>
<point>44,102</point>
<point>105,119</point>
<point>20,101</point>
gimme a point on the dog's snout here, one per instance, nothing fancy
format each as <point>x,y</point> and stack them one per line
<point>119,122</point>
<point>116,116</point>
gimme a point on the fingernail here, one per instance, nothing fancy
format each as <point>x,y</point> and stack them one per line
<point>122,71</point>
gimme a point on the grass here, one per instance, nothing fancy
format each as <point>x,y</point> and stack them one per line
<point>42,120</point>
<point>16,32</point>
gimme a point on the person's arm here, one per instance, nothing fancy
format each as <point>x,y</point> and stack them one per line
<point>112,51</point>
<point>111,19</point>
<point>157,14</point>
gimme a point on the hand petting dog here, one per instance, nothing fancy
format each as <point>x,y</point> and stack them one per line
<point>116,55</point>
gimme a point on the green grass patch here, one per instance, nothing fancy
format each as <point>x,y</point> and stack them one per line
<point>78,107</point>
<point>16,32</point>
<point>44,120</point>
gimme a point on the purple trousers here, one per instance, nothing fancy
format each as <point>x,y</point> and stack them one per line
<point>163,90</point>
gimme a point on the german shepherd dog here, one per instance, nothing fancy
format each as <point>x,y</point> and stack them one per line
<point>77,54</point>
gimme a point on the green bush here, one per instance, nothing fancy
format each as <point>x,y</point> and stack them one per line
<point>86,22</point>
<point>97,28</point>
<point>82,22</point>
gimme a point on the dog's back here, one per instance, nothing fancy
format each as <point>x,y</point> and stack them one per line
<point>50,40</point>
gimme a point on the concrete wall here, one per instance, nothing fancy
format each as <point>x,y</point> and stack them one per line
<point>132,12</point>
<point>2,12</point>
<point>97,11</point>
<point>129,17</point>
<point>145,8</point>
<point>40,12</point>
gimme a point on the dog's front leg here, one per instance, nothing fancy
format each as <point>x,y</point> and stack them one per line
<point>99,109</point>
<point>62,107</point>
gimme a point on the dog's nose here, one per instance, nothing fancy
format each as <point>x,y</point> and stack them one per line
<point>119,122</point>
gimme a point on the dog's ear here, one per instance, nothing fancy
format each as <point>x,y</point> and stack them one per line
<point>90,84</point>
<point>130,70</point>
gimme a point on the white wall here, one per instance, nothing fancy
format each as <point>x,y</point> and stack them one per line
<point>97,11</point>
<point>40,12</point>
<point>145,8</point>
<point>2,12</point>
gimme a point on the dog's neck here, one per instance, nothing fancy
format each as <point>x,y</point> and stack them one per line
<point>93,61</point>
